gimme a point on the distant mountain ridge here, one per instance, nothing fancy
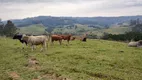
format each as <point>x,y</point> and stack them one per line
<point>50,21</point>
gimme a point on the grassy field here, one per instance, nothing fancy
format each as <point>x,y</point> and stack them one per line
<point>81,29</point>
<point>33,29</point>
<point>112,30</point>
<point>117,30</point>
<point>91,60</point>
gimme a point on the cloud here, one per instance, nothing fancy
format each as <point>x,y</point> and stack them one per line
<point>43,1</point>
<point>113,7</point>
<point>12,9</point>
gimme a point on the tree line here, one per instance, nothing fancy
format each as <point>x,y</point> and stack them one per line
<point>8,29</point>
<point>128,36</point>
<point>135,34</point>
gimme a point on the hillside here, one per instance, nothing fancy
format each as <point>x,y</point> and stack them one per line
<point>50,21</point>
<point>76,25</point>
<point>79,30</point>
<point>93,60</point>
<point>33,29</point>
<point>112,30</point>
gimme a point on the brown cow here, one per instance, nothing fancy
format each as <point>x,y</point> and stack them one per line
<point>66,37</point>
<point>56,38</point>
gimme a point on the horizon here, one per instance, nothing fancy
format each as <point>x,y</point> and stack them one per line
<point>19,9</point>
<point>69,16</point>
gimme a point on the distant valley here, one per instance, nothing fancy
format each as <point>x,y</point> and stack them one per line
<point>75,25</point>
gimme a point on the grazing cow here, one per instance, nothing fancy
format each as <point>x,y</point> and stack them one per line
<point>19,37</point>
<point>84,39</point>
<point>66,37</point>
<point>73,38</point>
<point>135,44</point>
<point>56,38</point>
<point>36,40</point>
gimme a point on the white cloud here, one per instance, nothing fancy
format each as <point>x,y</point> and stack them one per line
<point>13,9</point>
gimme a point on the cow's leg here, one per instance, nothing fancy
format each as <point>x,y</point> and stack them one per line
<point>42,47</point>
<point>52,42</point>
<point>23,45</point>
<point>45,45</point>
<point>32,46</point>
<point>60,41</point>
<point>68,41</point>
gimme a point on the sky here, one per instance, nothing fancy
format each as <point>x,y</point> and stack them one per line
<point>19,9</point>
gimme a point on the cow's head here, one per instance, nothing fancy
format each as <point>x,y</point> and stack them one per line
<point>140,42</point>
<point>17,36</point>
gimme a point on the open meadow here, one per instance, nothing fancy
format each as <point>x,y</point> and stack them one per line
<point>91,60</point>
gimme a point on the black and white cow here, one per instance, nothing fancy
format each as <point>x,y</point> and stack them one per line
<point>19,37</point>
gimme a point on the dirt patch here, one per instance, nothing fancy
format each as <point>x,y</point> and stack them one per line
<point>100,75</point>
<point>53,76</point>
<point>35,79</point>
<point>33,64</point>
<point>14,76</point>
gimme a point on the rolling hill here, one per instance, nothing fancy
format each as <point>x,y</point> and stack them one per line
<point>93,25</point>
<point>112,30</point>
<point>81,29</point>
<point>33,29</point>
<point>93,60</point>
<point>50,21</point>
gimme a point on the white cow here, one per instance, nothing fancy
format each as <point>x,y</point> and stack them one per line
<point>36,40</point>
<point>135,44</point>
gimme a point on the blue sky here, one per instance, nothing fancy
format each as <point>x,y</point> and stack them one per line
<point>18,9</point>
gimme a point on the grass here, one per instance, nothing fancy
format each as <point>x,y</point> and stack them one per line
<point>112,30</point>
<point>81,29</point>
<point>117,30</point>
<point>91,60</point>
<point>33,29</point>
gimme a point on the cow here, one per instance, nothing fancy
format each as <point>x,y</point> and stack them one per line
<point>73,38</point>
<point>36,40</point>
<point>135,44</point>
<point>84,39</point>
<point>19,37</point>
<point>56,38</point>
<point>66,37</point>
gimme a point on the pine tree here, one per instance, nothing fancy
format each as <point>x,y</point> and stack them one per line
<point>9,29</point>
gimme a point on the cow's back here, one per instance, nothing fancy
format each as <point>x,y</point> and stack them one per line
<point>56,37</point>
<point>133,44</point>
<point>37,39</point>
